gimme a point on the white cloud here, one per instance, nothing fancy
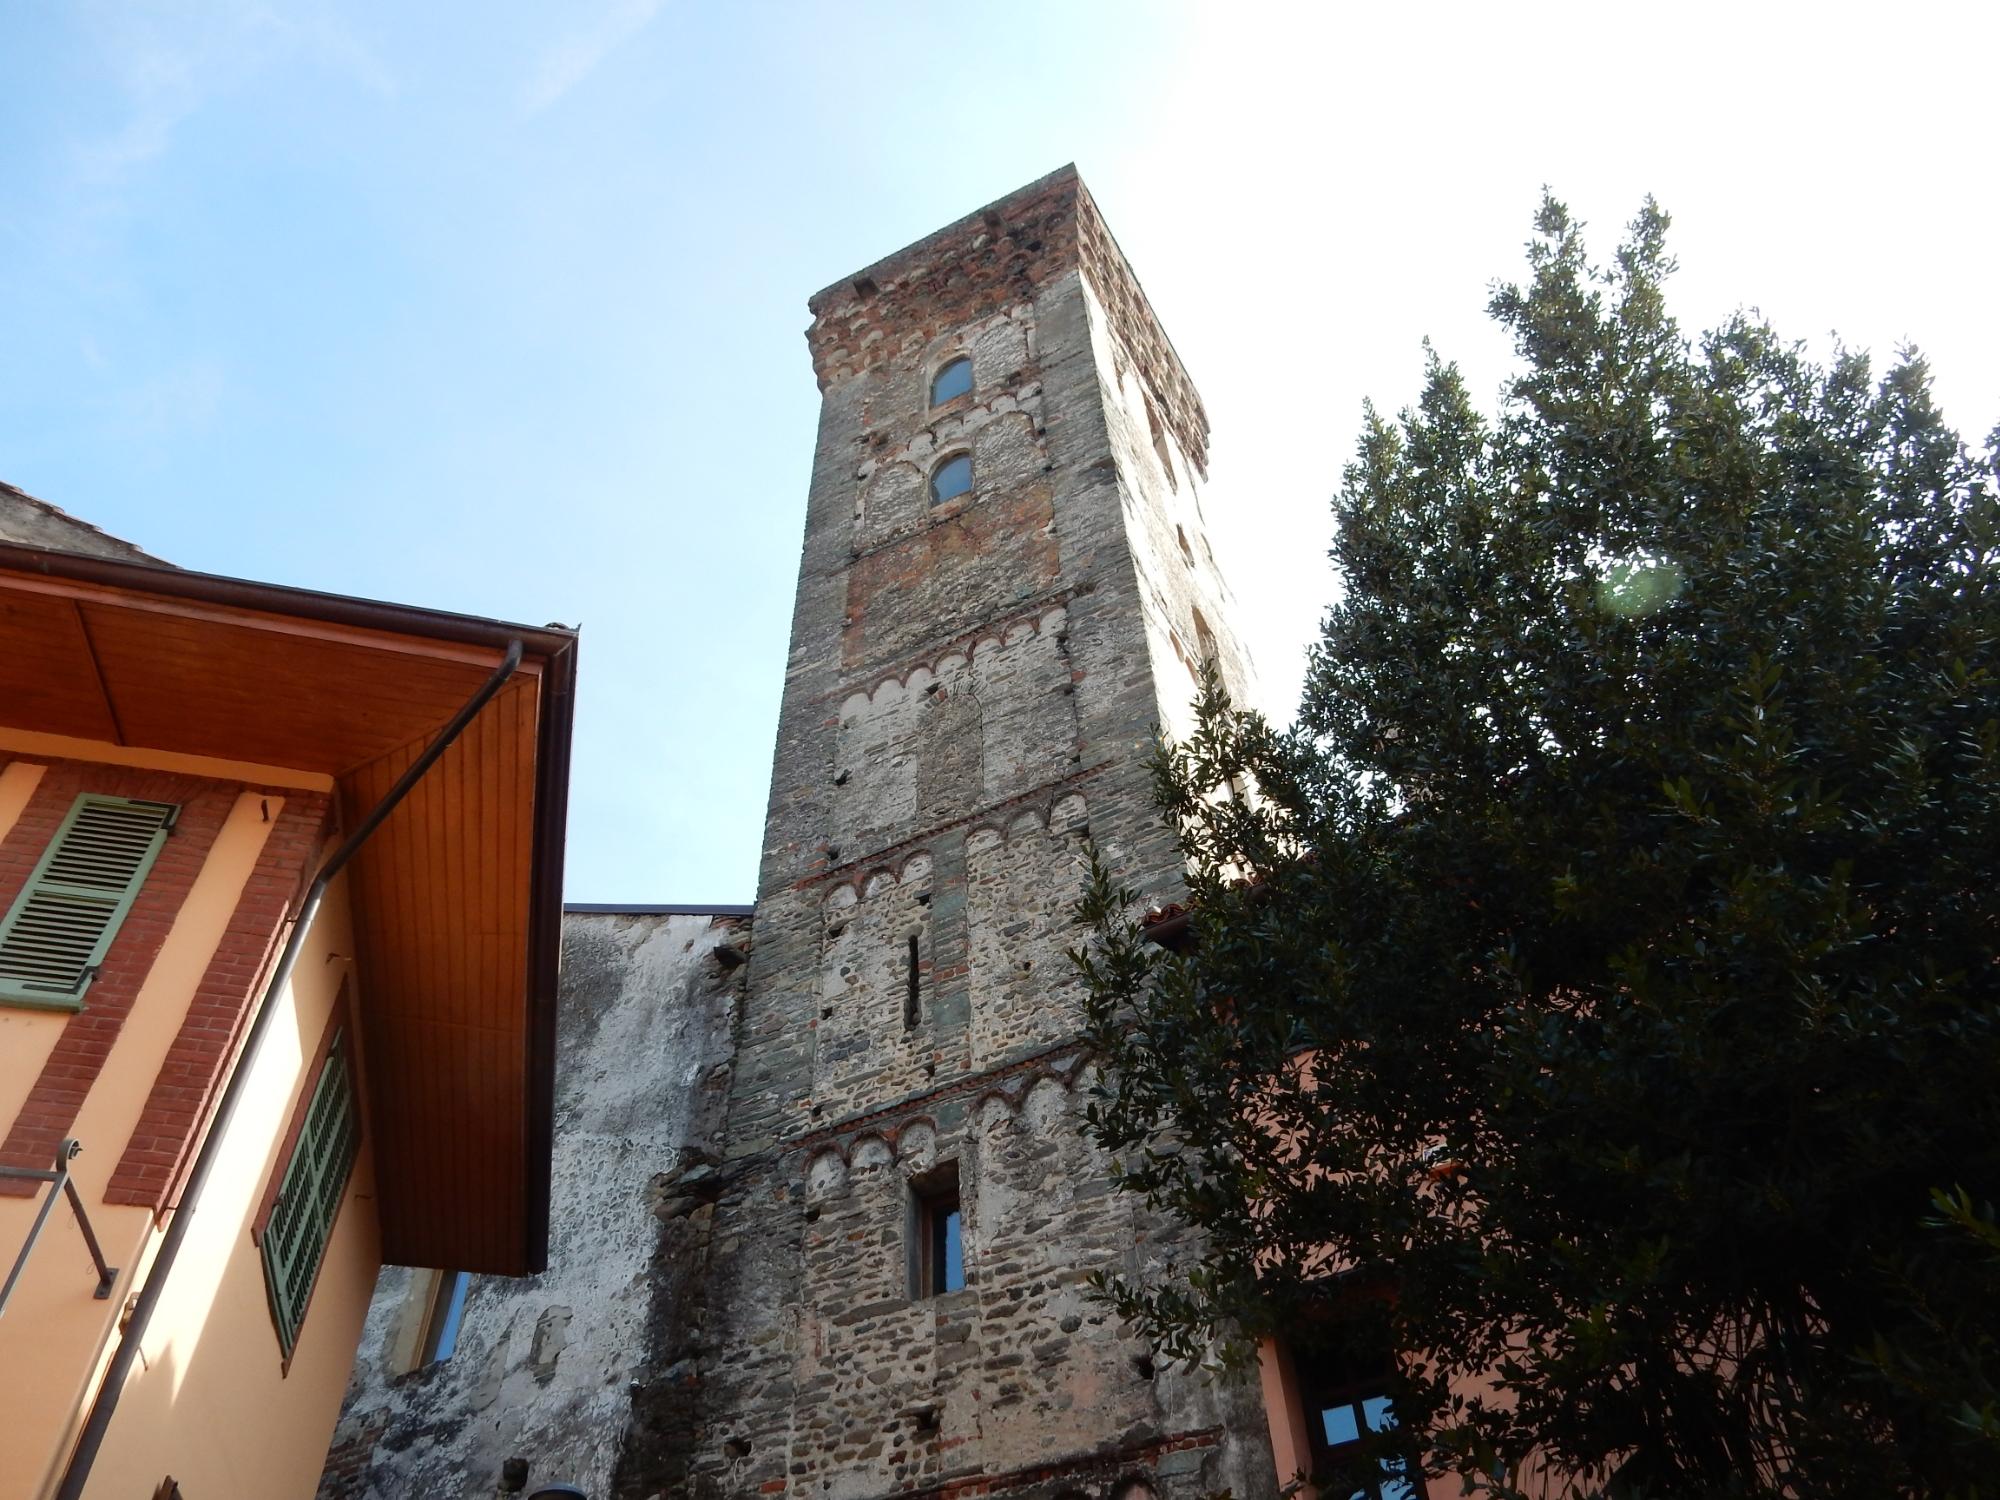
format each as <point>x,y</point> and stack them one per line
<point>565,65</point>
<point>1357,178</point>
<point>169,60</point>
<point>159,79</point>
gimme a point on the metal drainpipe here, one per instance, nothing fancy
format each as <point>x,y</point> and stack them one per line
<point>101,1410</point>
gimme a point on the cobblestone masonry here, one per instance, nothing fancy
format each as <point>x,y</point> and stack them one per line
<point>970,693</point>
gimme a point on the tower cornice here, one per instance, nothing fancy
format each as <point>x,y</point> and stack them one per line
<point>992,258</point>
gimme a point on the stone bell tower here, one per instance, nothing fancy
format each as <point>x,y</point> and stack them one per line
<point>1005,587</point>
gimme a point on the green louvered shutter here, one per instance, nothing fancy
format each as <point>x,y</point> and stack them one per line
<point>301,1222</point>
<point>62,925</point>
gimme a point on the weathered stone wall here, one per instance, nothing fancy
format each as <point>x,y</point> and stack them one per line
<point>987,720</point>
<point>1022,881</point>
<point>878,1035</point>
<point>1021,1361</point>
<point>952,283</point>
<point>971,691</point>
<point>545,1367</point>
<point>1186,605</point>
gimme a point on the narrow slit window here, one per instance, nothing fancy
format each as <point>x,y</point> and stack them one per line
<point>951,382</point>
<point>937,1262</point>
<point>913,1002</point>
<point>446,1311</point>
<point>947,1248</point>
<point>951,478</point>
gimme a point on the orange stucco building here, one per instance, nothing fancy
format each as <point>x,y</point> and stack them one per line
<point>279,905</point>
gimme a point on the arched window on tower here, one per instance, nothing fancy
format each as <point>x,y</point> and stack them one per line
<point>951,382</point>
<point>951,478</point>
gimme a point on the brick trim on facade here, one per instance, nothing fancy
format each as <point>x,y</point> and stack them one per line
<point>79,1055</point>
<point>184,1093</point>
<point>987,261</point>
<point>352,1453</point>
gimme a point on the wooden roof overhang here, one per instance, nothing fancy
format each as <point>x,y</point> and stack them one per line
<point>457,898</point>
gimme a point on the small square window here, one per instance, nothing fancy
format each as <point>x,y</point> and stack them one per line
<point>937,1237</point>
<point>1343,1408</point>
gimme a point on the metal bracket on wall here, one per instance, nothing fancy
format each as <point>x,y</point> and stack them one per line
<point>60,1178</point>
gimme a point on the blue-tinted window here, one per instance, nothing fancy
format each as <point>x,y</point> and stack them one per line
<point>937,1258</point>
<point>954,380</point>
<point>951,1254</point>
<point>951,478</point>
<point>1343,1417</point>
<point>446,1311</point>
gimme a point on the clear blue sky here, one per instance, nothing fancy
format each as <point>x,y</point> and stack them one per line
<point>498,307</point>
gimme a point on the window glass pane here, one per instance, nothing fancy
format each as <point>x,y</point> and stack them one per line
<point>952,1272</point>
<point>449,1314</point>
<point>955,379</point>
<point>1340,1424</point>
<point>953,478</point>
<point>1376,1412</point>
